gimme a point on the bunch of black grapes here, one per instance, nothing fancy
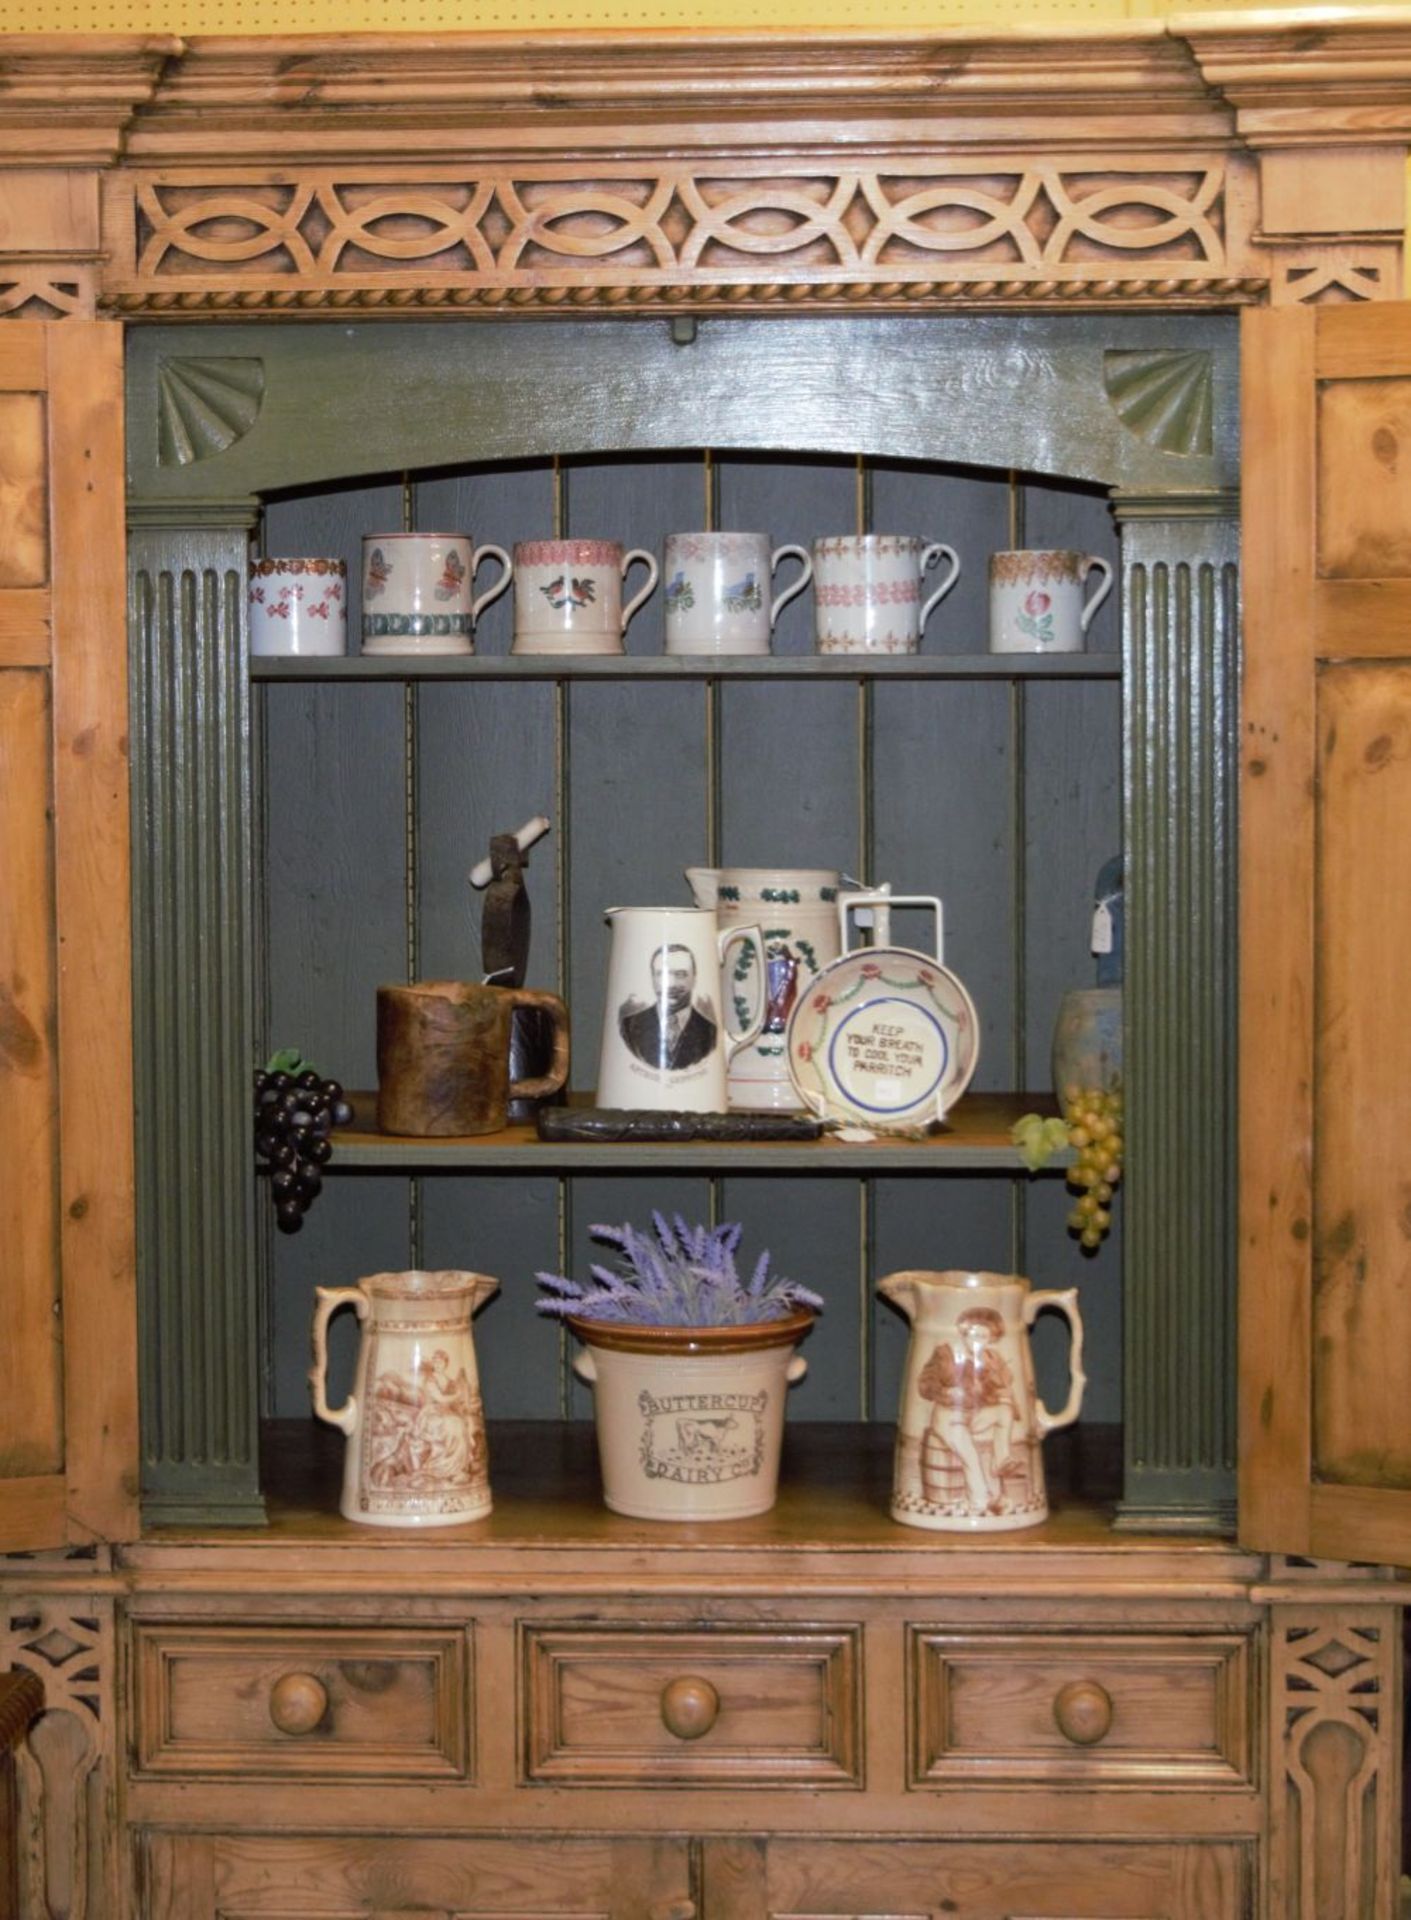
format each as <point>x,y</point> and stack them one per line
<point>296,1110</point>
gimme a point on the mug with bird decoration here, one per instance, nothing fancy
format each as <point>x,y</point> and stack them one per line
<point>568,595</point>
<point>718,588</point>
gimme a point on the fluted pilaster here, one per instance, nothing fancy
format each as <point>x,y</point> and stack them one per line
<point>1181,677</point>
<point>193,1016</point>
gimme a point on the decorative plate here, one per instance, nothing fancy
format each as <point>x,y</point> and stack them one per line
<point>884,1037</point>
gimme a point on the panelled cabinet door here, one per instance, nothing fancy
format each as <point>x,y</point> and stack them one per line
<point>68,1382</point>
<point>1325,877</point>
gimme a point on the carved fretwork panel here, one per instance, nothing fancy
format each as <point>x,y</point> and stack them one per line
<point>68,1865</point>
<point>1335,1789</point>
<point>55,292</point>
<point>1318,276</point>
<point>746,233</point>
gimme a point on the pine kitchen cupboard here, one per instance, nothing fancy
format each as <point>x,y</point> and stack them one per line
<point>298,291</point>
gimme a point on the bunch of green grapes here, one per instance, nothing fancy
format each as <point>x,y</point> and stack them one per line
<point>1093,1116</point>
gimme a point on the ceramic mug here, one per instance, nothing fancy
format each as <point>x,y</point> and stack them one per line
<point>568,595</point>
<point>867,590</point>
<point>299,607</point>
<point>665,1044</point>
<point>717,591</point>
<point>418,591</point>
<point>1036,599</point>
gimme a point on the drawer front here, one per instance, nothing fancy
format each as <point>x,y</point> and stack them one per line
<point>410,1876</point>
<point>312,1702</point>
<point>1111,1708</point>
<point>905,1879</point>
<point>697,1706</point>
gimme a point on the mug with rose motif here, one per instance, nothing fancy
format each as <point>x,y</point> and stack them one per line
<point>718,588</point>
<point>568,595</point>
<point>867,590</point>
<point>418,591</point>
<point>1036,599</point>
<point>299,606</point>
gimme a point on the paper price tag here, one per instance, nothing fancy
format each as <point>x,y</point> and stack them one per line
<point>1102,928</point>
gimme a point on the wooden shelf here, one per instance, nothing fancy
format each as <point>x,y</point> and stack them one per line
<point>975,1139</point>
<point>834,1483</point>
<point>655,666</point>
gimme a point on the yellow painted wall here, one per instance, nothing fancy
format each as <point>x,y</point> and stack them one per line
<point>526,16</point>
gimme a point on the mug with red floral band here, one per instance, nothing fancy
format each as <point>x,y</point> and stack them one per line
<point>868,590</point>
<point>1036,599</point>
<point>299,606</point>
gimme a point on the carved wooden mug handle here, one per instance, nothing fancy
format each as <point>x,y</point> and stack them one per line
<point>330,1299</point>
<point>557,1075</point>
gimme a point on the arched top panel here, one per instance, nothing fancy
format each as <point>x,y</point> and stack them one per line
<point>222,413</point>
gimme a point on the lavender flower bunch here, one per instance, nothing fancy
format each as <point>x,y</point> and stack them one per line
<point>680,1276</point>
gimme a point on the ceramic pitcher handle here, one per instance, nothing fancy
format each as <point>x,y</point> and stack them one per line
<point>884,902</point>
<point>330,1299</point>
<point>1095,600</point>
<point>653,574</point>
<point>795,587</point>
<point>724,940</point>
<point>929,557</point>
<point>1066,1303</point>
<point>477,607</point>
<point>557,1075</point>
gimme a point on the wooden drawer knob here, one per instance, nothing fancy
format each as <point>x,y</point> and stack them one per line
<point>689,1707</point>
<point>1083,1710</point>
<point>298,1702</point>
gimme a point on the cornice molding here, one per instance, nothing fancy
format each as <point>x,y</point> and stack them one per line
<point>68,99</point>
<point>583,94</point>
<point>1305,76</point>
<point>1314,78</point>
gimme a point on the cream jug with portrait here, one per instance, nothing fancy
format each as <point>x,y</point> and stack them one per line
<point>971,1423</point>
<point>665,1041</point>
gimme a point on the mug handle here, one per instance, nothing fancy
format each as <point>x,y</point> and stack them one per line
<point>477,607</point>
<point>723,942</point>
<point>330,1299</point>
<point>929,556</point>
<point>1066,1303</point>
<point>638,553</point>
<point>1096,599</point>
<point>795,587</point>
<point>557,1075</point>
